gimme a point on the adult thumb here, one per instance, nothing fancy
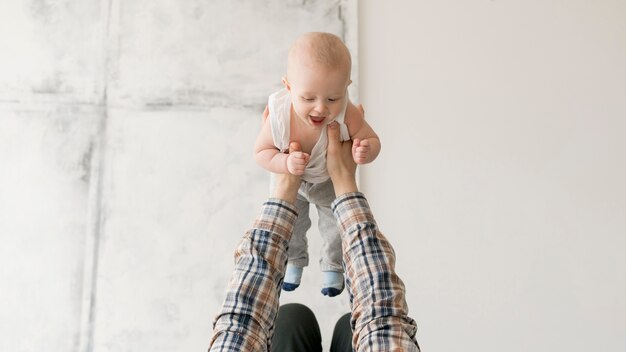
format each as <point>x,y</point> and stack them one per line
<point>295,147</point>
<point>333,134</point>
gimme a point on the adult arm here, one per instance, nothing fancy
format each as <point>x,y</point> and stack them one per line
<point>379,310</point>
<point>247,315</point>
<point>379,317</point>
<point>246,320</point>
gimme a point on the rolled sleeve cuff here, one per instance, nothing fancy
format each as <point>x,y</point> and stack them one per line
<point>278,217</point>
<point>352,209</point>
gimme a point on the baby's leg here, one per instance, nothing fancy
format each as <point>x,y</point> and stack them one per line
<point>331,254</point>
<point>331,260</point>
<point>298,247</point>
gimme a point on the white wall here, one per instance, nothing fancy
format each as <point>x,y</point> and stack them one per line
<point>126,169</point>
<point>501,180</point>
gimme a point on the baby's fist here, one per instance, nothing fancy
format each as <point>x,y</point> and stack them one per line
<point>361,151</point>
<point>297,162</point>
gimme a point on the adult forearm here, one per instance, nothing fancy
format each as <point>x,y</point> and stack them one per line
<point>344,185</point>
<point>247,315</point>
<point>380,313</point>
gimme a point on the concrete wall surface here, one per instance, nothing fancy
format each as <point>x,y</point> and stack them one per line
<point>126,169</point>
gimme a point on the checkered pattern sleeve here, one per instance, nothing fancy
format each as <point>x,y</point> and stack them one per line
<point>246,320</point>
<point>379,320</point>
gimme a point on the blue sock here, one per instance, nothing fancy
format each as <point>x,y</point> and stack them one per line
<point>333,283</point>
<point>293,274</point>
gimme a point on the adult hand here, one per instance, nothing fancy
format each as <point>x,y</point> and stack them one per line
<point>287,184</point>
<point>339,162</point>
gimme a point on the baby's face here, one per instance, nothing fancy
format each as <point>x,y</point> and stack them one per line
<point>318,94</point>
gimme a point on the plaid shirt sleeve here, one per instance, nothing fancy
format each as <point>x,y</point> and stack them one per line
<point>379,320</point>
<point>246,320</point>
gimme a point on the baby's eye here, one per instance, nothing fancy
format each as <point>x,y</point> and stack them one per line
<point>332,100</point>
<point>307,99</point>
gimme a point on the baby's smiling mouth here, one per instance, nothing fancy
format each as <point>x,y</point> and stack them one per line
<point>317,120</point>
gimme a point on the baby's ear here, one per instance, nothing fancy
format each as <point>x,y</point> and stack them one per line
<point>286,83</point>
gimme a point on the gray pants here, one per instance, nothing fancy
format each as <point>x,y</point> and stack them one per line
<point>322,195</point>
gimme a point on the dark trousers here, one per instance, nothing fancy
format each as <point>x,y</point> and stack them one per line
<point>297,330</point>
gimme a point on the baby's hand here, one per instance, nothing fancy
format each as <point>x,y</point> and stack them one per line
<point>297,161</point>
<point>361,151</point>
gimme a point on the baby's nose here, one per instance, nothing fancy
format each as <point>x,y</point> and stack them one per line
<point>321,108</point>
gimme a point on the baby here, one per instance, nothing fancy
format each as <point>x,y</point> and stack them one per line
<point>315,94</point>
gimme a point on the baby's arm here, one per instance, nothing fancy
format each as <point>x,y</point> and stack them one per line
<point>366,145</point>
<point>270,158</point>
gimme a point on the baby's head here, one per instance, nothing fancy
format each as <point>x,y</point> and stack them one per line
<point>318,75</point>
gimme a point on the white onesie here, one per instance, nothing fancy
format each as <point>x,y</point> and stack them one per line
<point>316,188</point>
<point>279,106</point>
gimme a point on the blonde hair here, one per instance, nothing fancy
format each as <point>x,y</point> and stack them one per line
<point>322,48</point>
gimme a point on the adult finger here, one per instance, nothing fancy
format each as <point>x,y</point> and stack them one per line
<point>334,141</point>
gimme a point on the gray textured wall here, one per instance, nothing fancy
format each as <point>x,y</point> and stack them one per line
<point>126,177</point>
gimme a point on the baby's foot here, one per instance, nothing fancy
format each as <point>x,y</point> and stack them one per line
<point>293,274</point>
<point>333,283</point>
